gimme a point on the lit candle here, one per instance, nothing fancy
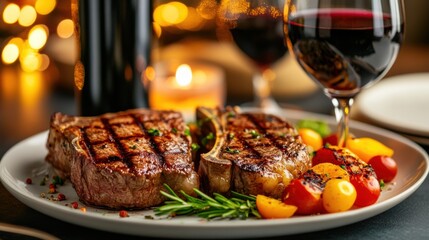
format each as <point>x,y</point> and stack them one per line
<point>192,86</point>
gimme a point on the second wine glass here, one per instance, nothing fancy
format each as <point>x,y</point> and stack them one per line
<point>344,45</point>
<point>256,27</point>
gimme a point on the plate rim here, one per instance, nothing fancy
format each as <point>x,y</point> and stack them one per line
<point>379,119</point>
<point>253,228</point>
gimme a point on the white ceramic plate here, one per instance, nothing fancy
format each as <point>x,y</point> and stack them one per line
<point>27,157</point>
<point>399,103</point>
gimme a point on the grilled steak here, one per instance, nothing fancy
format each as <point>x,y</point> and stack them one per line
<point>121,160</point>
<point>251,153</point>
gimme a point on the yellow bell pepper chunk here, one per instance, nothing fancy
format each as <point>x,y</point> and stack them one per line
<point>367,148</point>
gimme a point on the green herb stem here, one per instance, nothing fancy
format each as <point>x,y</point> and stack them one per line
<point>217,207</point>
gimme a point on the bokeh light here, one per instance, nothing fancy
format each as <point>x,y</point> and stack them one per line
<point>207,9</point>
<point>30,62</point>
<point>65,28</point>
<point>193,22</point>
<point>38,36</point>
<point>10,53</point>
<point>11,13</point>
<point>27,16</point>
<point>44,62</point>
<point>170,13</point>
<point>44,7</point>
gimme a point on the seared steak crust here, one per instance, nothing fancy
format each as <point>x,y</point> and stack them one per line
<point>252,153</point>
<point>121,160</point>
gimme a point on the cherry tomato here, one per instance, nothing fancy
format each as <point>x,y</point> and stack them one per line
<point>325,155</point>
<point>331,140</point>
<point>339,195</point>
<point>304,195</point>
<point>367,189</point>
<point>272,208</point>
<point>385,167</point>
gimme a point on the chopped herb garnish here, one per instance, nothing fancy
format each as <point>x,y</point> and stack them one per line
<point>187,132</point>
<point>343,166</point>
<point>154,132</point>
<point>56,180</point>
<point>200,122</point>
<point>208,137</point>
<point>382,184</point>
<point>230,114</point>
<point>232,151</point>
<point>254,133</point>
<point>44,180</point>
<point>133,147</point>
<point>231,136</point>
<point>174,130</point>
<point>195,146</point>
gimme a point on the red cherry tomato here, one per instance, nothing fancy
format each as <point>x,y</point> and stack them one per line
<point>331,140</point>
<point>367,189</point>
<point>325,155</point>
<point>304,195</point>
<point>385,167</point>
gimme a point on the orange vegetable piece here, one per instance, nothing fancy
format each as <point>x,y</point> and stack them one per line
<point>311,138</point>
<point>331,171</point>
<point>272,208</point>
<point>367,148</point>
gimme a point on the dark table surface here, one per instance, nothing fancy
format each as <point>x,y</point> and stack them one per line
<point>23,115</point>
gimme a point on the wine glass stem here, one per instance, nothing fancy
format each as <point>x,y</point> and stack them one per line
<point>262,90</point>
<point>342,112</point>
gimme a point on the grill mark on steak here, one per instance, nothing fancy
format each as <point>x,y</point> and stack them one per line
<point>114,161</point>
<point>152,142</point>
<point>286,142</point>
<point>86,144</point>
<point>114,138</point>
<point>253,153</point>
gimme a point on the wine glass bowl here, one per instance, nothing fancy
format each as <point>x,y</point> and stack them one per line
<point>256,28</point>
<point>344,45</point>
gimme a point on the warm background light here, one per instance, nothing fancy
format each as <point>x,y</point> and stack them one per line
<point>10,53</point>
<point>184,75</point>
<point>30,62</point>
<point>65,28</point>
<point>38,36</point>
<point>44,62</point>
<point>170,13</point>
<point>44,7</point>
<point>11,13</point>
<point>193,22</point>
<point>27,16</point>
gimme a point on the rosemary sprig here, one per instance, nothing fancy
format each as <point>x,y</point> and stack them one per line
<point>217,207</point>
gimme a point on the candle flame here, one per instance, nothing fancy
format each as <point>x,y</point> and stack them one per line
<point>184,75</point>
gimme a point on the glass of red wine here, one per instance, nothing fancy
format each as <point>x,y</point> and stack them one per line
<point>344,46</point>
<point>256,28</point>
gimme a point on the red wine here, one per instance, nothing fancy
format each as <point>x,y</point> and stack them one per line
<point>260,37</point>
<point>344,49</point>
<point>114,49</point>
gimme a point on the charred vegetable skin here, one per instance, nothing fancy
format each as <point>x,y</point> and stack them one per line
<point>362,175</point>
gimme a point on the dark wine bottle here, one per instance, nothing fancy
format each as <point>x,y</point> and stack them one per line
<point>114,41</point>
